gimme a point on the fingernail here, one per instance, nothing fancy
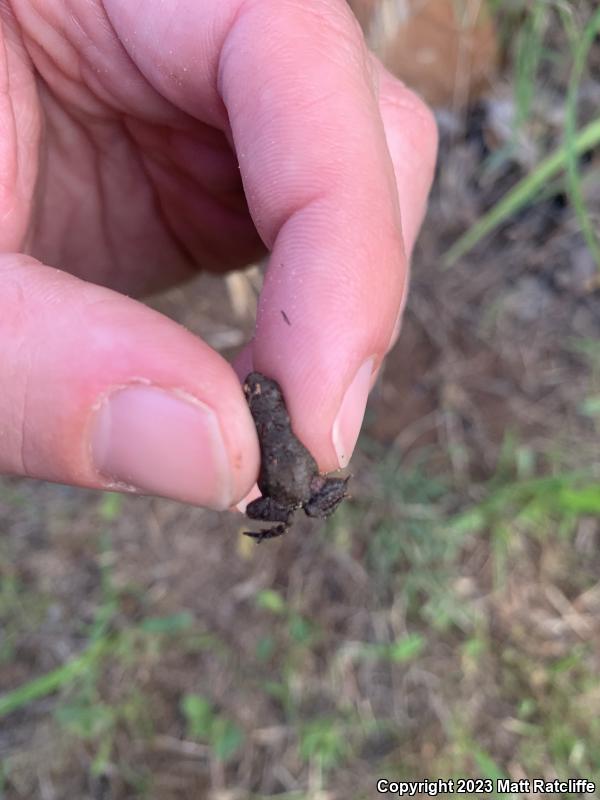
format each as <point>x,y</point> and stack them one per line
<point>350,416</point>
<point>162,442</point>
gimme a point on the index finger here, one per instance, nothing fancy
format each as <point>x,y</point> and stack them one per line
<point>323,194</point>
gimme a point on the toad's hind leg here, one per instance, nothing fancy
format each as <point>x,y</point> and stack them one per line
<point>267,533</point>
<point>267,509</point>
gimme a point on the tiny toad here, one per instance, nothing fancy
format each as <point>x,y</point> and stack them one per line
<point>289,478</point>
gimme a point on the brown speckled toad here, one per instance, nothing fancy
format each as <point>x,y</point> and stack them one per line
<point>289,478</point>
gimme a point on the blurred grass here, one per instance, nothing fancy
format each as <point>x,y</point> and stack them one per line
<point>582,45</point>
<point>529,50</point>
<point>415,556</point>
<point>525,192</point>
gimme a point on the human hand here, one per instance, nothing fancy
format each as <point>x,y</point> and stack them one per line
<point>128,132</point>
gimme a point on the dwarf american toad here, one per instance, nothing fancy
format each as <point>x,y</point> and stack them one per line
<point>289,478</point>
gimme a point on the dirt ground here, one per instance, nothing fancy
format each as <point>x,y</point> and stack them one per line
<point>391,640</point>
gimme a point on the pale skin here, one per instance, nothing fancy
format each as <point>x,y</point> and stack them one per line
<point>143,141</point>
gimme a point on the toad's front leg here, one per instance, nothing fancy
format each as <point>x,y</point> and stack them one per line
<point>327,494</point>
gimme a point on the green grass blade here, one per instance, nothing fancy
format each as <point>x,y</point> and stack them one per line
<point>99,647</point>
<point>582,49</point>
<point>51,681</point>
<point>521,194</point>
<point>528,58</point>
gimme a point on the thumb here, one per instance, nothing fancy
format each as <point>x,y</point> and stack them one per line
<point>100,391</point>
